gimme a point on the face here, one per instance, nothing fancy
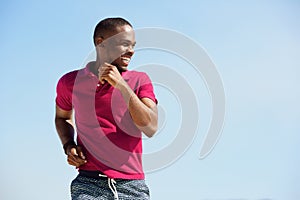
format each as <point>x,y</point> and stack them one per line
<point>118,48</point>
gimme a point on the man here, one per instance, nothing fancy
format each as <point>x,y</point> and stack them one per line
<point>112,107</point>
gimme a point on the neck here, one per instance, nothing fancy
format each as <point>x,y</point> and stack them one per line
<point>94,66</point>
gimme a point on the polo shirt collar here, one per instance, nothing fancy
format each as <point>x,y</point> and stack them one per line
<point>87,72</point>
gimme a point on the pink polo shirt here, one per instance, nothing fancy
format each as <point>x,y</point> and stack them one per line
<point>111,142</point>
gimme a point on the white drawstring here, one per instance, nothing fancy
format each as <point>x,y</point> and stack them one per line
<point>111,184</point>
<point>102,175</point>
<point>112,187</point>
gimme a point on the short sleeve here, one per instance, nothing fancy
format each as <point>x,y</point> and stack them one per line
<point>145,89</point>
<point>63,94</point>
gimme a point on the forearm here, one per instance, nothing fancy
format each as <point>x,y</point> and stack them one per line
<point>64,129</point>
<point>144,117</point>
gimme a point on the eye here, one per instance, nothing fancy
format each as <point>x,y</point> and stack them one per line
<point>125,44</point>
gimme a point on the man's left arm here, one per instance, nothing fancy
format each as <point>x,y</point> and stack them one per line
<point>143,111</point>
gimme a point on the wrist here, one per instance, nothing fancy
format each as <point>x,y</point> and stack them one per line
<point>68,145</point>
<point>122,85</point>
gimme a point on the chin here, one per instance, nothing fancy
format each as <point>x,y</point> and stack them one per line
<point>121,68</point>
<point>120,65</point>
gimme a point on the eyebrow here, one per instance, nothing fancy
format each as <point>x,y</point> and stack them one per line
<point>125,40</point>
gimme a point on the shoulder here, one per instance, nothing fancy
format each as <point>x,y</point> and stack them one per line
<point>68,78</point>
<point>138,80</point>
<point>66,82</point>
<point>132,74</point>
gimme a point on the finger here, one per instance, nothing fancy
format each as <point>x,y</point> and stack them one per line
<point>74,155</point>
<point>109,65</point>
<point>102,73</point>
<point>73,151</point>
<point>105,70</point>
<point>80,153</point>
<point>108,78</point>
<point>71,162</point>
<point>105,67</point>
<point>76,164</point>
<point>105,77</point>
<point>76,161</point>
<point>102,80</point>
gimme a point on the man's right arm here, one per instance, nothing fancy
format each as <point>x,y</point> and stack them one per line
<point>65,130</point>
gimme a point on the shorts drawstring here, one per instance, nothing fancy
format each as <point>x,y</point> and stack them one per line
<point>112,187</point>
<point>111,184</point>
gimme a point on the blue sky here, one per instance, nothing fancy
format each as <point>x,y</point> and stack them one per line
<point>255,46</point>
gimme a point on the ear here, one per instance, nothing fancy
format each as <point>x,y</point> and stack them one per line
<point>99,41</point>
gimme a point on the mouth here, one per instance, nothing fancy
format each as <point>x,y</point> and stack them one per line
<point>125,59</point>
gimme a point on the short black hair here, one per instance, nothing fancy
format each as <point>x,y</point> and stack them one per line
<point>108,24</point>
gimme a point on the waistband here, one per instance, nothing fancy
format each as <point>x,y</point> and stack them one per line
<point>100,175</point>
<point>93,174</point>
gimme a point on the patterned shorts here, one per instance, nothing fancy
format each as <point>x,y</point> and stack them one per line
<point>87,188</point>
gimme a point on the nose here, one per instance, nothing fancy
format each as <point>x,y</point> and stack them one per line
<point>130,49</point>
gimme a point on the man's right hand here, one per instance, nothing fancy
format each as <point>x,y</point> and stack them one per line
<point>76,156</point>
